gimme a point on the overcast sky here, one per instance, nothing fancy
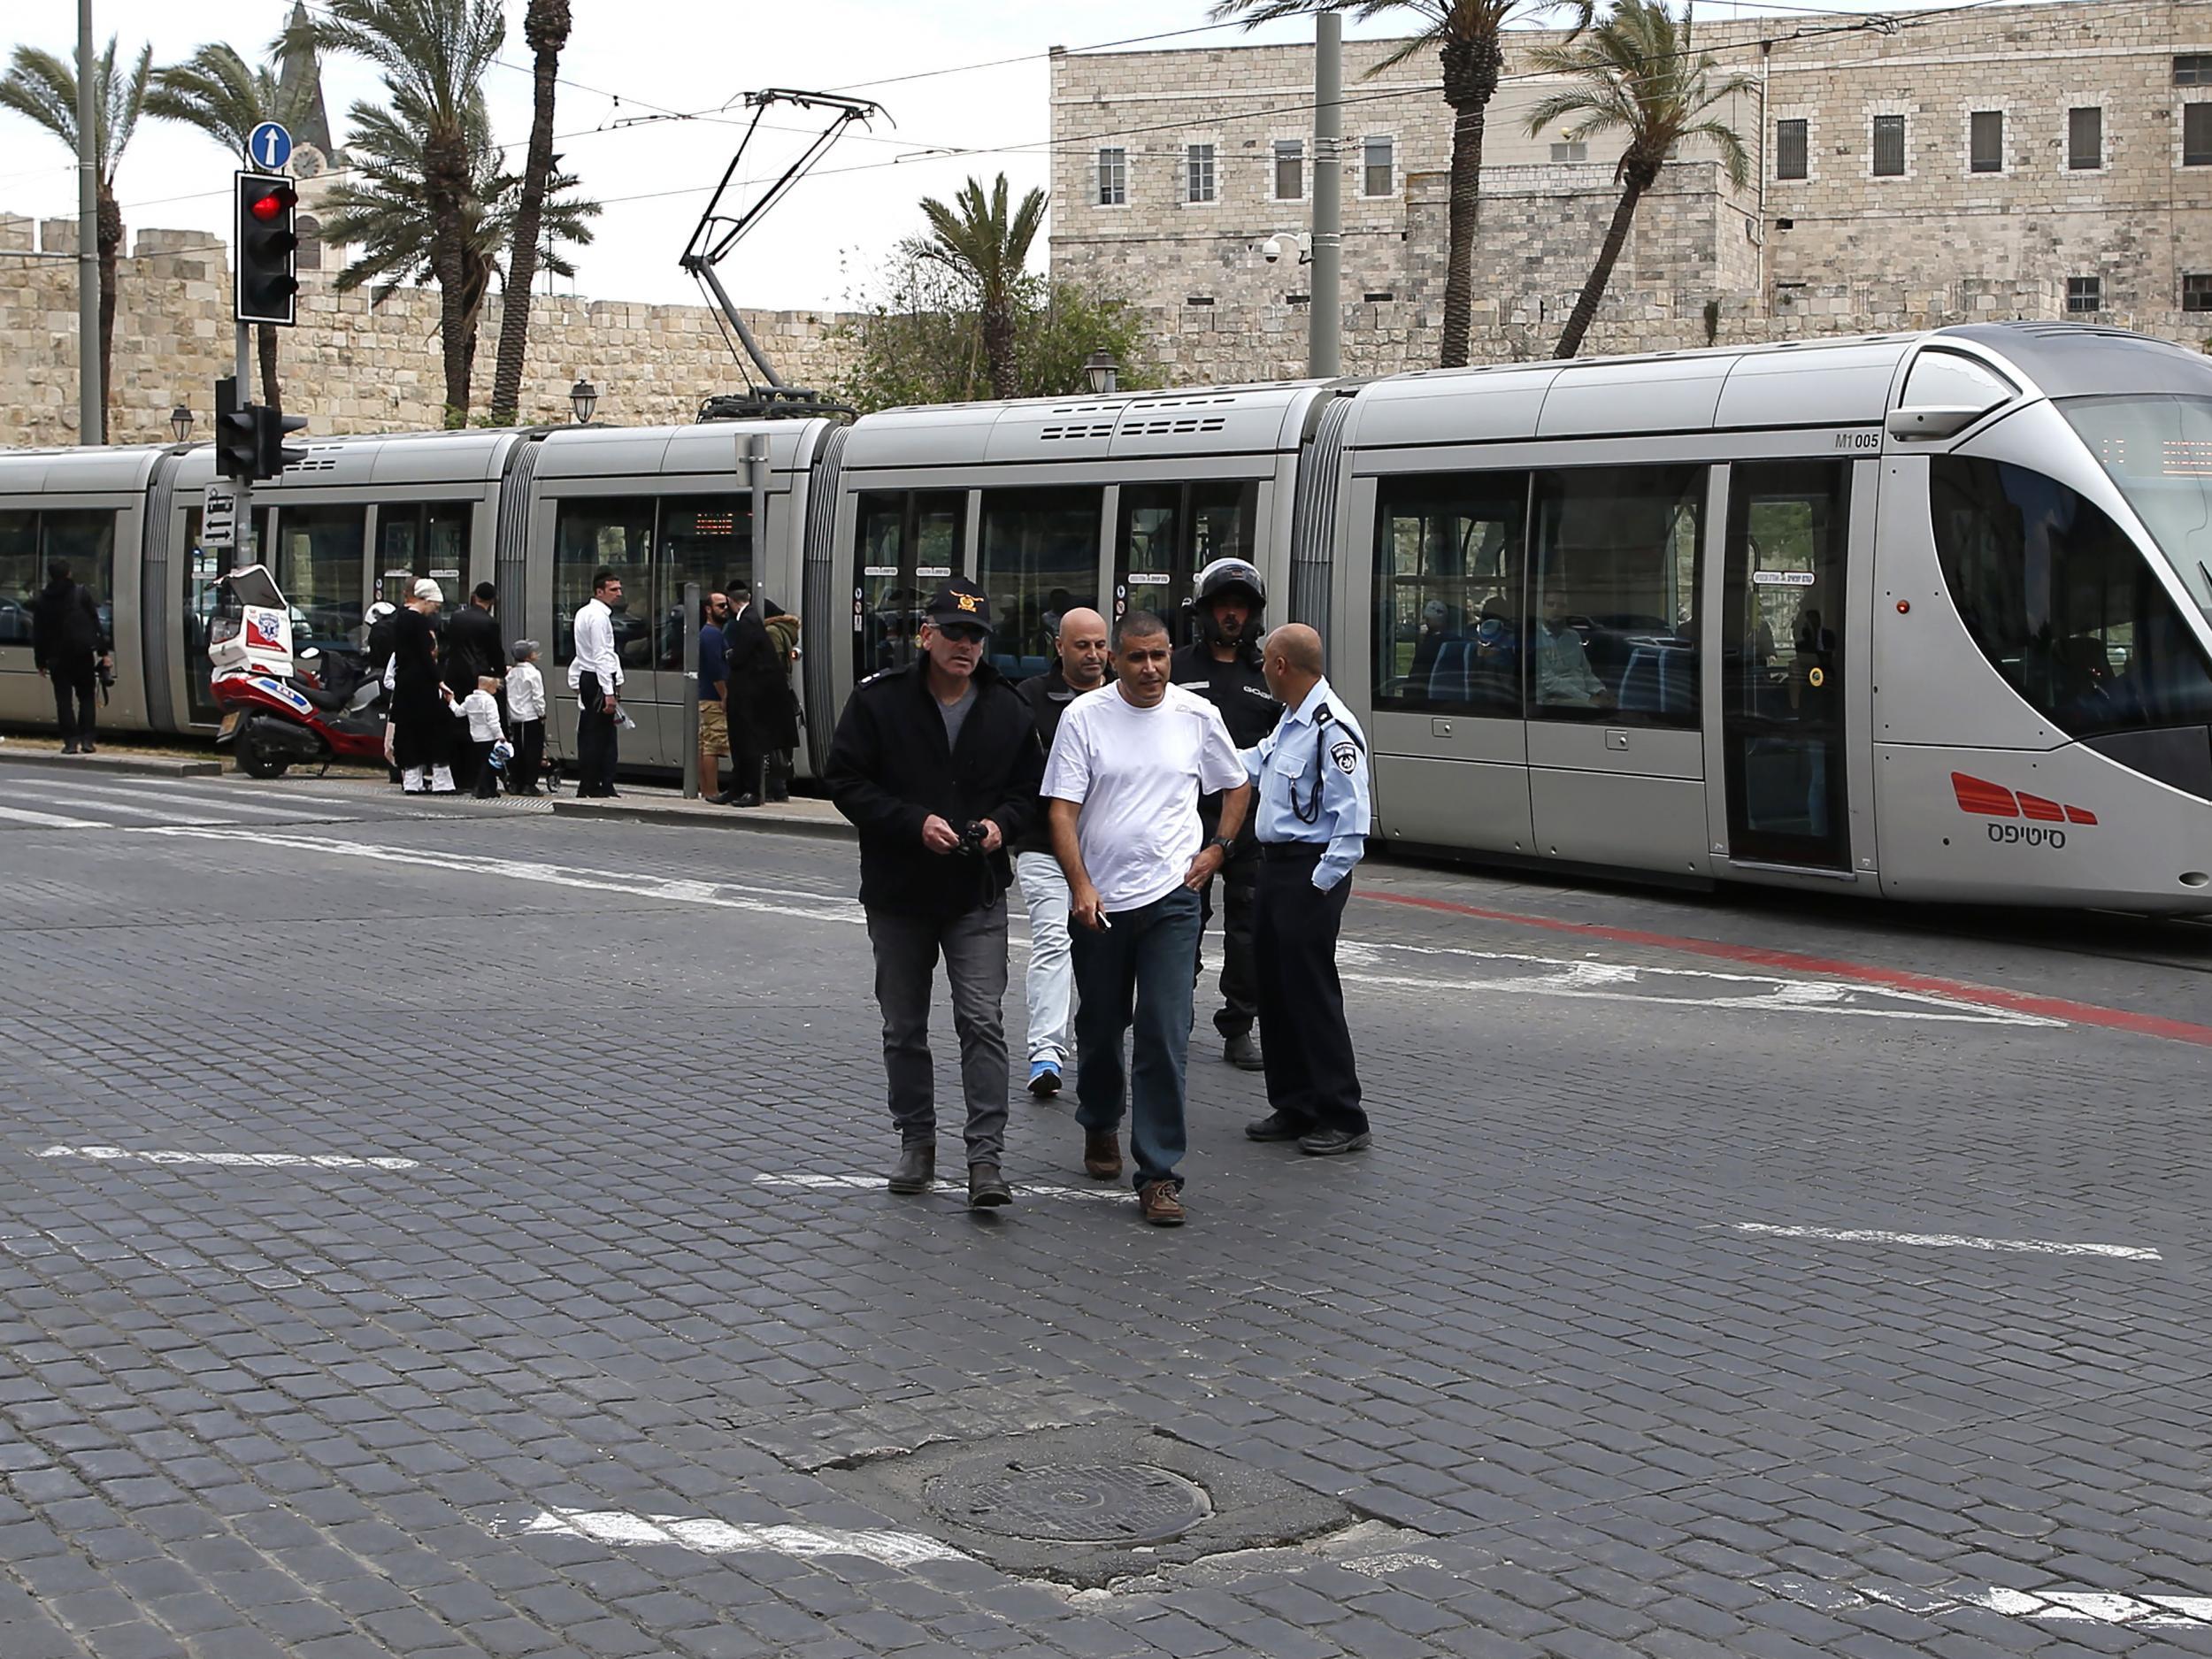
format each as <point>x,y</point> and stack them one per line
<point>631,58</point>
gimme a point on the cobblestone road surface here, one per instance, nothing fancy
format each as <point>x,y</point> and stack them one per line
<point>456,1233</point>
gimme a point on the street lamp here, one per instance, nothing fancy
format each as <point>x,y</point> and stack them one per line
<point>1101,370</point>
<point>583,397</point>
<point>181,422</point>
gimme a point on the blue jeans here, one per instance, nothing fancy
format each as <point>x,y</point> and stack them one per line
<point>1139,966</point>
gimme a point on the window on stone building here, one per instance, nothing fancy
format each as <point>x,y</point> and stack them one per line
<point>2085,294</point>
<point>1570,152</point>
<point>1986,141</point>
<point>1113,178</point>
<point>1889,146</point>
<point>2085,138</point>
<point>1198,172</point>
<point>2196,134</point>
<point>1789,149</point>
<point>1290,170</point>
<point>1379,169</point>
<point>2196,291</point>
<point>2194,69</point>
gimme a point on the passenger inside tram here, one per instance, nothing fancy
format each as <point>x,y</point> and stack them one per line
<point>1564,677</point>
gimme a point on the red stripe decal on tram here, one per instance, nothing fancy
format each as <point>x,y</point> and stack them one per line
<point>2045,811</point>
<point>2079,815</point>
<point>1976,794</point>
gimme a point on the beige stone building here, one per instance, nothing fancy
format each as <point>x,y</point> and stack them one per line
<point>2048,161</point>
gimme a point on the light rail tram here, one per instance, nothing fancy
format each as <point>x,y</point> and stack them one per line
<point>1927,616</point>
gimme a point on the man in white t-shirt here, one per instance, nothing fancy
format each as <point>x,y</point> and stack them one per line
<point>1128,765</point>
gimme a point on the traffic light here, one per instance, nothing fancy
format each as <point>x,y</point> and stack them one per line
<point>237,442</point>
<point>271,454</point>
<point>266,285</point>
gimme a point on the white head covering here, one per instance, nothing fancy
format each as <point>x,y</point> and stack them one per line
<point>427,589</point>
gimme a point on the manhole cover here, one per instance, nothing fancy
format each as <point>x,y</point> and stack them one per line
<point>1072,1504</point>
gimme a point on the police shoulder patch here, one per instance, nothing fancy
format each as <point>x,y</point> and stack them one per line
<point>1346,756</point>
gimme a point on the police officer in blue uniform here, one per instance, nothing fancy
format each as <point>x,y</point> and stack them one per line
<point>1311,775</point>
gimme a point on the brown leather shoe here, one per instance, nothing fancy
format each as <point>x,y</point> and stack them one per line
<point>1161,1204</point>
<point>1102,1154</point>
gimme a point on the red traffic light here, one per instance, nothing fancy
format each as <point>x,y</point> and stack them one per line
<point>270,207</point>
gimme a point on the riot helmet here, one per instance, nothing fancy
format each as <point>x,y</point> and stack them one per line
<point>1224,575</point>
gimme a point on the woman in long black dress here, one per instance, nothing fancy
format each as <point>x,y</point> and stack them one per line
<point>420,725</point>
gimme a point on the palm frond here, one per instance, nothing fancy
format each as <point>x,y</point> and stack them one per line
<point>42,88</point>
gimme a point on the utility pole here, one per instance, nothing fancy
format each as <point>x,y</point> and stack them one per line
<point>1325,306</point>
<point>91,401</point>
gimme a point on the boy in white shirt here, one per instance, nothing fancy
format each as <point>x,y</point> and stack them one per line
<point>480,710</point>
<point>525,717</point>
<point>1128,765</point>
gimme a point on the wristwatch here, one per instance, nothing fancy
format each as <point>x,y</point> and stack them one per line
<point>1225,843</point>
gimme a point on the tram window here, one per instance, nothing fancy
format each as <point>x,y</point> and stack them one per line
<point>2062,603</point>
<point>31,541</point>
<point>418,539</point>
<point>1614,595</point>
<point>905,544</point>
<point>318,565</point>
<point>1038,561</point>
<point>1171,531</point>
<point>614,531</point>
<point>1946,380</point>
<point>703,539</point>
<point>1447,593</point>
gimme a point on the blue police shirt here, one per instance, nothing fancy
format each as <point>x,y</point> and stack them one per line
<point>713,663</point>
<point>1311,775</point>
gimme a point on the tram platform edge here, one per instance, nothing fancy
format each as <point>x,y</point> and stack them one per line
<point>815,818</point>
<point>141,766</point>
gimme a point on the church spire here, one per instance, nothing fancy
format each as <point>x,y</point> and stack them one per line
<point>299,88</point>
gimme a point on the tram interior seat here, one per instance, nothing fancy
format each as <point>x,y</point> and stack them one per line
<point>1013,667</point>
<point>1451,678</point>
<point>1659,679</point>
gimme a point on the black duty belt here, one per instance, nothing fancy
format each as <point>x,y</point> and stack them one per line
<point>1291,852</point>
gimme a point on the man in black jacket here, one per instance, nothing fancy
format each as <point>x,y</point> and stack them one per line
<point>468,650</point>
<point>1223,666</point>
<point>69,647</point>
<point>1081,665</point>
<point>937,765</point>
<point>755,674</point>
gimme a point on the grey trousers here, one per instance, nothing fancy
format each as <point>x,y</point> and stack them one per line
<point>973,946</point>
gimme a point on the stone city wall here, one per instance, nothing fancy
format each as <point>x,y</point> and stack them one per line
<point>349,366</point>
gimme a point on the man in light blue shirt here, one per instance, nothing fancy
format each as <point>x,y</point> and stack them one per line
<point>1310,776</point>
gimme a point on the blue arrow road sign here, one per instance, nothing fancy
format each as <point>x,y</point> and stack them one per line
<point>269,147</point>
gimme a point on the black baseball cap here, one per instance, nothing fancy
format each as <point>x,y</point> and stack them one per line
<point>961,602</point>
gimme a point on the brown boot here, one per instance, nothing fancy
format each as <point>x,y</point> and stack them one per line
<point>1102,1154</point>
<point>1161,1204</point>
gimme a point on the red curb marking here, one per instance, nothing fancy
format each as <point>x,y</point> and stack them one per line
<point>1894,979</point>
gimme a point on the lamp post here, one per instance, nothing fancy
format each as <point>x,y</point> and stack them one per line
<point>180,423</point>
<point>1101,371</point>
<point>583,397</point>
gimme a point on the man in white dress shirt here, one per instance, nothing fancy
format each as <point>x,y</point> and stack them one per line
<point>596,676</point>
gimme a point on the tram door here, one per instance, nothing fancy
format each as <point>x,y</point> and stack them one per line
<point>909,541</point>
<point>1785,660</point>
<point>1168,533</point>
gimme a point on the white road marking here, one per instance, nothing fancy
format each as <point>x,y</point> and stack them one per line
<point>2081,1607</point>
<point>49,820</point>
<point>950,1189</point>
<point>1588,981</point>
<point>258,1160</point>
<point>729,897</point>
<point>199,803</point>
<point>710,1537</point>
<point>1950,1241</point>
<point>87,803</point>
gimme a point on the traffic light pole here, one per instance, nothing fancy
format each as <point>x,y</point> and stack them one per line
<point>91,397</point>
<point>244,485</point>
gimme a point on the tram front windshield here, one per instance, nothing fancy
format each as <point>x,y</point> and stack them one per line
<point>2157,449</point>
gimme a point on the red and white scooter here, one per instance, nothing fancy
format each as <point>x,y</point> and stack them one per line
<point>277,710</point>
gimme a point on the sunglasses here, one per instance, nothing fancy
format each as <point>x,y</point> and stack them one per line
<point>963,633</point>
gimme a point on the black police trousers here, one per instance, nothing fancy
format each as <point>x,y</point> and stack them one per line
<point>1240,880</point>
<point>1312,1077</point>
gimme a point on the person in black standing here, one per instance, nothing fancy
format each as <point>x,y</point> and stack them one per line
<point>469,651</point>
<point>419,736</point>
<point>1223,666</point>
<point>756,680</point>
<point>71,648</point>
<point>937,765</point>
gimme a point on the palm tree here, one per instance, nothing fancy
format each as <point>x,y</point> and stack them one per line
<point>1638,76</point>
<point>1469,38</point>
<point>380,208</point>
<point>545,25</point>
<point>218,92</point>
<point>44,87</point>
<point>989,252</point>
<point>435,54</point>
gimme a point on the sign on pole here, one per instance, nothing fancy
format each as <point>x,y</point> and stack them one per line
<point>268,147</point>
<point>219,517</point>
